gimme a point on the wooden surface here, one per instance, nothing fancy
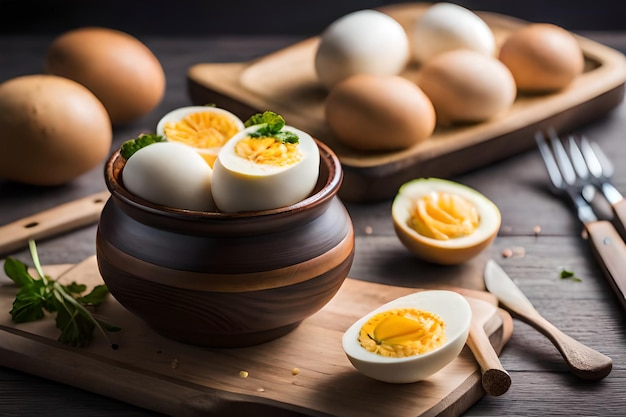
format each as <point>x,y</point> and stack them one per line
<point>285,81</point>
<point>208,381</point>
<point>541,382</point>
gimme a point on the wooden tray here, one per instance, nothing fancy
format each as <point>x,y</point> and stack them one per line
<point>285,82</point>
<point>177,379</point>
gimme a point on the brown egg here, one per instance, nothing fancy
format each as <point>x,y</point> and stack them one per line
<point>466,86</point>
<point>379,113</point>
<point>52,130</point>
<point>542,57</point>
<point>120,70</point>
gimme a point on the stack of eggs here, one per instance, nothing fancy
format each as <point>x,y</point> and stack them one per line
<point>462,75</point>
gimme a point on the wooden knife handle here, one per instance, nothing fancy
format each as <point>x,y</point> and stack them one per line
<point>610,251</point>
<point>619,213</point>
<point>63,218</point>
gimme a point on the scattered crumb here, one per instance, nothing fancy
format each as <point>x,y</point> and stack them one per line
<point>260,389</point>
<point>295,371</point>
<point>507,253</point>
<point>515,251</point>
<point>537,230</point>
<point>243,374</point>
<point>174,364</point>
<point>369,230</point>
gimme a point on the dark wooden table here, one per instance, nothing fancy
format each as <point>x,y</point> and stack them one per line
<point>542,385</point>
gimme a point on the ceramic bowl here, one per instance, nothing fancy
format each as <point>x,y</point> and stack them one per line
<point>225,279</point>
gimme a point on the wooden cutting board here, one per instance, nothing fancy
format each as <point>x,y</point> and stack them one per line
<point>285,82</point>
<point>159,374</point>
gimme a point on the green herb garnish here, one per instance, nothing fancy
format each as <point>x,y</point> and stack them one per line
<point>131,146</point>
<point>565,274</point>
<point>271,125</point>
<point>44,294</point>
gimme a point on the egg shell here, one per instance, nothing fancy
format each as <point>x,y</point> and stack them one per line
<point>365,41</point>
<point>445,27</point>
<point>466,86</point>
<point>52,130</point>
<point>542,57</point>
<point>379,113</point>
<point>241,185</point>
<point>118,68</point>
<point>453,309</point>
<point>444,252</point>
<point>170,174</point>
<point>177,115</point>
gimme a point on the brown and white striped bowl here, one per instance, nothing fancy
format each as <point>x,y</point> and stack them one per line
<point>225,279</point>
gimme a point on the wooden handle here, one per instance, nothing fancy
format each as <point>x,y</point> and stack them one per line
<point>82,212</point>
<point>610,251</point>
<point>495,379</point>
<point>619,213</point>
<point>583,361</point>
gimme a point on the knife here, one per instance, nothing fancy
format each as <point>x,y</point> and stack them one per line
<point>63,218</point>
<point>583,361</point>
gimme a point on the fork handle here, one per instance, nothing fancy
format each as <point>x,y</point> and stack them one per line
<point>619,213</point>
<point>610,251</point>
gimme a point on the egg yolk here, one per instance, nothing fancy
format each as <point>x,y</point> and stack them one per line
<point>202,130</point>
<point>268,150</point>
<point>443,216</point>
<point>402,332</point>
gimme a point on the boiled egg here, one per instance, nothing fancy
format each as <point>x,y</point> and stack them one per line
<point>442,221</point>
<point>445,27</point>
<point>262,173</point>
<point>170,174</point>
<point>410,338</point>
<point>366,41</point>
<point>204,128</point>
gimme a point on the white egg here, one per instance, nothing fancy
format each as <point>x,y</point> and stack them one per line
<point>450,306</point>
<point>446,27</point>
<point>170,174</point>
<point>366,41</point>
<point>204,128</point>
<point>241,184</point>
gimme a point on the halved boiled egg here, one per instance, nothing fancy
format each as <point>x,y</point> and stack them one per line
<point>442,221</point>
<point>204,128</point>
<point>409,338</point>
<point>258,172</point>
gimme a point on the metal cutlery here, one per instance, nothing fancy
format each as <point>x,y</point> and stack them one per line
<point>583,361</point>
<point>606,243</point>
<point>63,218</point>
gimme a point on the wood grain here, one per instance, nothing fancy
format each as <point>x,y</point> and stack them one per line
<point>177,379</point>
<point>285,82</point>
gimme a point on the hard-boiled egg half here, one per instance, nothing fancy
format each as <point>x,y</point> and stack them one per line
<point>167,173</point>
<point>442,221</point>
<point>268,165</point>
<point>204,128</point>
<point>409,338</point>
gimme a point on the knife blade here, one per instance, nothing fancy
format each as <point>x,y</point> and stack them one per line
<point>583,361</point>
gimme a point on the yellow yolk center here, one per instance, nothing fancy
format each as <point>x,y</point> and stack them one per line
<point>443,216</point>
<point>402,332</point>
<point>268,150</point>
<point>202,130</point>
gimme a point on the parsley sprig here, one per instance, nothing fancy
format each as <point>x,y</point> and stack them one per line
<point>131,146</point>
<point>271,125</point>
<point>41,294</point>
<point>565,274</point>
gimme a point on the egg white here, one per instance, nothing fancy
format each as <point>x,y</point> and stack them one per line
<point>404,203</point>
<point>242,185</point>
<point>453,309</point>
<point>171,174</point>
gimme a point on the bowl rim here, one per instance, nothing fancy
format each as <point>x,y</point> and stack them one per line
<point>328,190</point>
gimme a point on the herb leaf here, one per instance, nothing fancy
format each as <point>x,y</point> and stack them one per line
<point>38,295</point>
<point>131,146</point>
<point>565,274</point>
<point>270,126</point>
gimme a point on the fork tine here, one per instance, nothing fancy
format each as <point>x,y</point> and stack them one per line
<point>605,163</point>
<point>593,163</point>
<point>577,159</point>
<point>548,159</point>
<point>562,160</point>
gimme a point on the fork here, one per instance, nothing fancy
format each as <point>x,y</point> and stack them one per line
<point>606,244</point>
